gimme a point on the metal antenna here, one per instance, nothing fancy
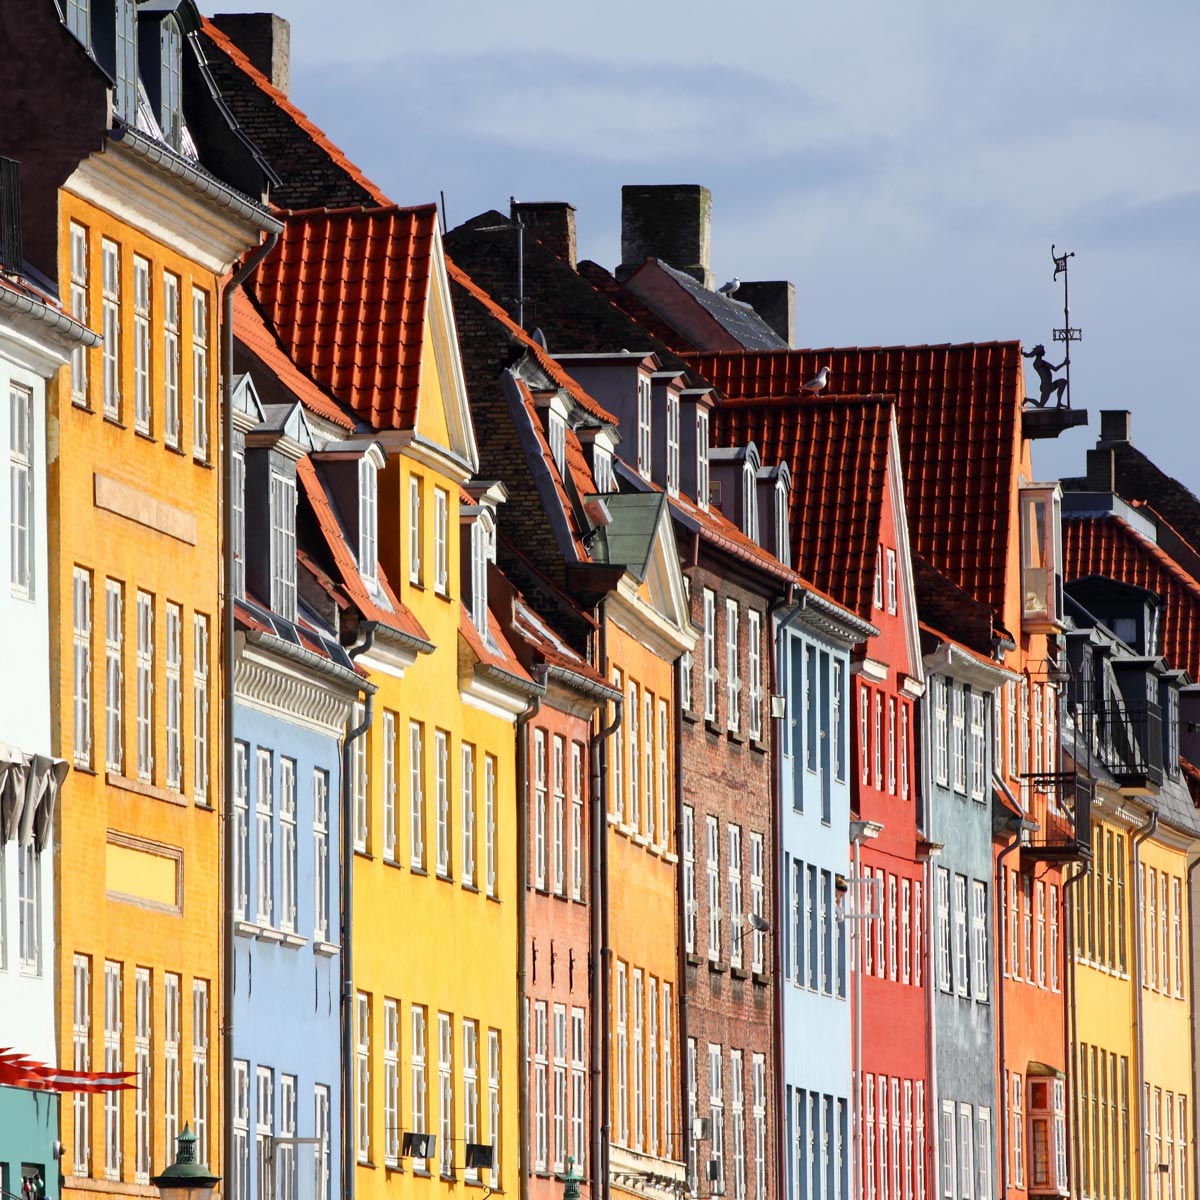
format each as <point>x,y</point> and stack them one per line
<point>516,215</point>
<point>1066,334</point>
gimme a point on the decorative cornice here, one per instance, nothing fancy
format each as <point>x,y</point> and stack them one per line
<point>289,692</point>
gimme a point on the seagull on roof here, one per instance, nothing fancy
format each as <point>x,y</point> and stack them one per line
<point>731,287</point>
<point>817,382</point>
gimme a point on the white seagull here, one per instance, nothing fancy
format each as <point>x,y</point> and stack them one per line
<point>817,382</point>
<point>731,287</point>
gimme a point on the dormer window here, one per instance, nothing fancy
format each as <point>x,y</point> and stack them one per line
<point>1041,556</point>
<point>237,487</point>
<point>79,19</point>
<point>171,115</point>
<point>783,549</point>
<point>483,551</point>
<point>283,545</point>
<point>558,439</point>
<point>602,469</point>
<point>702,458</point>
<point>878,595</point>
<point>368,519</point>
<point>749,503</point>
<point>644,442</point>
<point>125,73</point>
<point>672,443</point>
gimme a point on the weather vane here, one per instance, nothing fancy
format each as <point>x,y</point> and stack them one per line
<point>1060,389</point>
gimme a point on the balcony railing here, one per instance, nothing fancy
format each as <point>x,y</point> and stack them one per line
<point>1061,806</point>
<point>1127,738</point>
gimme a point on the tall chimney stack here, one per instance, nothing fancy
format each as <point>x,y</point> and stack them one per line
<point>265,39</point>
<point>552,222</point>
<point>668,221</point>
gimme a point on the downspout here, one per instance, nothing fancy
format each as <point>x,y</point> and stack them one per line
<point>601,1117</point>
<point>1146,832</point>
<point>1070,1023</point>
<point>531,711</point>
<point>681,916</point>
<point>228,655</point>
<point>349,1157</point>
<point>1000,998</point>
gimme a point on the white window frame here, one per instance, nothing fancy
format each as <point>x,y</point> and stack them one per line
<point>143,1059</point>
<point>113,1027</point>
<point>733,870</point>
<point>110,319</point>
<point>174,668</point>
<point>284,1148</point>
<point>754,671</point>
<point>702,458</point>
<point>644,428</point>
<point>737,1105</point>
<point>711,676</point>
<point>441,750</point>
<point>418,1079</point>
<point>239,1169</point>
<point>320,855</point>
<point>689,879</point>
<point>941,743</point>
<point>389,794</point>
<point>283,545</point>
<point>368,519</point>
<point>979,939</point>
<point>416,795</point>
<point>446,1094</point>
<point>416,530</point>
<point>639,1059</point>
<point>264,1132</point>
<point>79,239</point>
<point>494,1100</point>
<point>362,1076</point>
<point>733,675</point>
<point>142,408</point>
<point>289,863</point>
<point>200,713</point>
<point>467,817</point>
<point>621,1131</point>
<point>391,1082</point>
<point>978,748</point>
<point>81,1060</point>
<point>758,893</point>
<point>145,686</point>
<point>577,822</point>
<point>890,559</point>
<point>672,443</point>
<point>470,1083</point>
<point>962,981</point>
<point>200,1067</point>
<point>171,415</point>
<point>558,856</point>
<point>945,972</point>
<point>264,836</point>
<point>489,827</point>
<point>441,541</point>
<point>20,469</point>
<point>713,868</point>
<point>322,1181</point>
<point>579,1059</point>
<point>200,374</point>
<point>81,635</point>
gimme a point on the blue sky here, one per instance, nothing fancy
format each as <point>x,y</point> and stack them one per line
<point>907,164</point>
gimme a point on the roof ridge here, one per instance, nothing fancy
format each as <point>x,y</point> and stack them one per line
<point>1008,343</point>
<point>350,211</point>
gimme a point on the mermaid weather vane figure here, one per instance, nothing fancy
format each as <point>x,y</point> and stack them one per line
<point>1060,389</point>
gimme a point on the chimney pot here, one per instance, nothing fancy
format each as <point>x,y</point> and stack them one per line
<point>552,222</point>
<point>1115,424</point>
<point>668,221</point>
<point>265,39</point>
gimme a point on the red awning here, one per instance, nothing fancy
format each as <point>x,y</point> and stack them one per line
<point>19,1070</point>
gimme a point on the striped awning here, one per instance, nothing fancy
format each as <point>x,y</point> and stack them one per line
<point>19,1070</point>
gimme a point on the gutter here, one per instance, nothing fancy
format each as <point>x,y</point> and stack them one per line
<point>681,964</point>
<point>307,658</point>
<point>582,684</point>
<point>49,315</point>
<point>409,641</point>
<point>228,654</point>
<point>1146,832</point>
<point>213,190</point>
<point>349,1109</point>
<point>510,680</point>
<point>522,796</point>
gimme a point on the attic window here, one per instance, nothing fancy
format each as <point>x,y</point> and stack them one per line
<point>125,94</point>
<point>602,468</point>
<point>482,552</point>
<point>672,443</point>
<point>237,487</point>
<point>283,545</point>
<point>749,506</point>
<point>558,440</point>
<point>171,116</point>
<point>782,539</point>
<point>368,519</point>
<point>1041,556</point>
<point>644,443</point>
<point>702,457</point>
<point>79,19</point>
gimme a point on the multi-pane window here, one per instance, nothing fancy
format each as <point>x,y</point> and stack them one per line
<point>240,1168</point>
<point>734,869</point>
<point>648,758</point>
<point>200,1067</point>
<point>941,749</point>
<point>877,741</point>
<point>418,1079</point>
<point>389,795</point>
<point>558,825</point>
<point>470,1074</point>
<point>891,746</point>
<point>668,1075</point>
<point>322,1181</point>
<point>979,938</point>
<point>171,1027</point>
<point>652,1066</point>
<point>978,748</point>
<point>81,1060</point>
<point>481,554</point>
<point>578,1086</point>
<point>494,1105</point>
<point>749,506</point>
<point>713,866</point>
<point>126,73</point>
<point>711,675</point>
<point>621,1132</point>
<point>539,1085</point>
<point>174,697</point>
<point>110,319</point>
<point>200,707</point>
<point>576,821</point>
<point>644,442</point>
<point>368,519</point>
<point>416,795</point>
<point>391,1083</point>
<point>112,1063</point>
<point>441,541</point>
<point>633,718</point>
<point>716,1112</point>
<point>891,580</point>
<point>467,790</point>
<point>264,1133</point>
<point>489,823</point>
<point>29,908</point>
<point>171,359</point>
<point>320,855</point>
<point>441,741</point>
<point>639,1059</point>
<point>145,686</point>
<point>944,967</point>
<point>689,878</point>
<point>702,484</point>
<point>1016,1132</point>
<point>903,750</point>
<point>415,529</point>
<point>958,738</point>
<point>359,796</point>
<point>79,290</point>
<point>142,1051</point>
<point>672,443</point>
<point>81,634</point>
<point>559,1048</point>
<point>141,345</point>
<point>237,503</point>
<point>961,967</point>
<point>283,545</point>
<point>758,1109</point>
<point>733,680</point>
<point>20,476</point>
<point>737,1104</point>
<point>692,1113</point>
<point>754,670</point>
<point>362,1074</point>
<point>539,808</point>
<point>284,1149</point>
<point>758,940</point>
<point>288,850</point>
<point>264,813</point>
<point>200,343</point>
<point>446,1094</point>
<point>664,784</point>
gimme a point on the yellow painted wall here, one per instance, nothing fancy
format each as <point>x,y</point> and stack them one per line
<point>144,488</point>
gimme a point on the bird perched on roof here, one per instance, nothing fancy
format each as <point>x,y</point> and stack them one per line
<point>731,287</point>
<point>817,382</point>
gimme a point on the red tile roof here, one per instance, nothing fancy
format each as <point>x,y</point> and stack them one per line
<point>392,615</point>
<point>246,617</point>
<point>959,415</point>
<point>346,293</point>
<point>313,135</point>
<point>837,454</point>
<point>549,648</point>
<point>1108,546</point>
<point>252,331</point>
<point>496,652</point>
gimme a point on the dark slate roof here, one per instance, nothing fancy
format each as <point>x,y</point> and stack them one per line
<point>739,320</point>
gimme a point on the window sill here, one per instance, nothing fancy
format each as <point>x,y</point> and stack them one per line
<point>393,862</point>
<point>713,726</point>
<point>759,746</point>
<point>246,929</point>
<point>761,978</point>
<point>174,449</point>
<point>690,717</point>
<point>125,784</point>
<point>83,769</point>
<point>203,462</point>
<point>267,934</point>
<point>694,960</point>
<point>444,877</point>
<point>736,736</point>
<point>116,422</point>
<point>718,967</point>
<point>739,973</point>
<point>325,949</point>
<point>81,405</point>
<point>145,435</point>
<point>641,839</point>
<point>294,941</point>
<point>363,852</point>
<point>364,1162</point>
<point>418,870</point>
<point>470,887</point>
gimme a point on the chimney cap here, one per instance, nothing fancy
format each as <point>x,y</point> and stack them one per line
<point>1115,424</point>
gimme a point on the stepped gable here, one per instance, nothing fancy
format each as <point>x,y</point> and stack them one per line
<point>346,292</point>
<point>958,411</point>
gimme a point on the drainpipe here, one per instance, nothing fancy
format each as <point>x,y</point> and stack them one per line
<point>531,710</point>
<point>1015,844</point>
<point>1147,831</point>
<point>1070,1023</point>
<point>681,917</point>
<point>349,1156</point>
<point>601,1037</point>
<point>228,655</point>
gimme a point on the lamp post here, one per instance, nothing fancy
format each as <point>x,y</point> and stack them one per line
<point>185,1178</point>
<point>570,1181</point>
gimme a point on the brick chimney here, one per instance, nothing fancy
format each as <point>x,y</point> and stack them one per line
<point>1101,470</point>
<point>775,301</point>
<point>1114,424</point>
<point>668,221</point>
<point>552,222</point>
<point>265,39</point>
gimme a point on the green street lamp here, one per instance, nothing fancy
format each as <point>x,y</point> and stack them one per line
<point>570,1181</point>
<point>185,1178</point>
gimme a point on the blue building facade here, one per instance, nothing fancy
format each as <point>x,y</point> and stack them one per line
<point>817,909</point>
<point>294,695</point>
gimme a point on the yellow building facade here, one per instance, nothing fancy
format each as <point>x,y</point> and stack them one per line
<point>135,618</point>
